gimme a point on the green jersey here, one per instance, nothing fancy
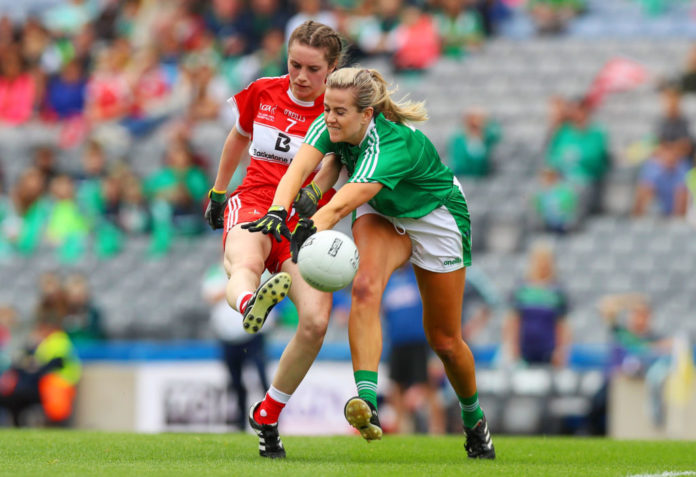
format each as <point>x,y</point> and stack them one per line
<point>399,157</point>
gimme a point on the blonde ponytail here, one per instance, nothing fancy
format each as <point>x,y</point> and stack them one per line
<point>370,90</point>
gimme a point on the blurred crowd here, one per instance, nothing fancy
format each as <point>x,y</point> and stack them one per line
<point>99,76</point>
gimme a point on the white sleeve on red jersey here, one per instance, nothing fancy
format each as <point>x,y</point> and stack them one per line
<point>246,104</point>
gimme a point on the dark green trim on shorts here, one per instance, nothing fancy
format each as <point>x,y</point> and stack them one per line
<point>457,206</point>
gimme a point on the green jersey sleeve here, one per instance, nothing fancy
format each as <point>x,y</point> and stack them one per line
<point>318,136</point>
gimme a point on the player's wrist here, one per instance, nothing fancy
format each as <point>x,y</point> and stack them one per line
<point>315,188</point>
<point>278,210</point>
<point>217,195</point>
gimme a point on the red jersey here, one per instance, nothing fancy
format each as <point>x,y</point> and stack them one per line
<point>277,122</point>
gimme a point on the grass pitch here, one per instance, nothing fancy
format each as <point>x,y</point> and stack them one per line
<point>78,453</point>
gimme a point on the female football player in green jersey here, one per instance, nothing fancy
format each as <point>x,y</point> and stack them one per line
<point>407,206</point>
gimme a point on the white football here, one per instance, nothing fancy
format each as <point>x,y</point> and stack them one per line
<point>328,260</point>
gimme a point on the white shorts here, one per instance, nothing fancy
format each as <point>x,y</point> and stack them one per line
<point>437,244</point>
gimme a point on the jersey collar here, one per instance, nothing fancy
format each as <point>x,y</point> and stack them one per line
<point>306,104</point>
<point>370,127</point>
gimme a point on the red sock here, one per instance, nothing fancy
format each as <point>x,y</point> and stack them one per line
<point>268,411</point>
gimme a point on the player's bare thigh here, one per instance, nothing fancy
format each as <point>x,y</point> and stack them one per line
<point>244,249</point>
<point>382,250</point>
<point>442,300</point>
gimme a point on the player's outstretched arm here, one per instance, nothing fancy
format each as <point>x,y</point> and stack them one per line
<point>307,199</point>
<point>304,162</point>
<point>348,198</point>
<point>328,173</point>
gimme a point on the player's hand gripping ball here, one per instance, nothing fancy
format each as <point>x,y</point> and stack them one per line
<point>328,260</point>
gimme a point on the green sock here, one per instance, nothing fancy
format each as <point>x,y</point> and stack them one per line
<point>366,381</point>
<point>471,410</point>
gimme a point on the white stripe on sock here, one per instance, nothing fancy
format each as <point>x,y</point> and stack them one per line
<point>469,407</point>
<point>278,396</point>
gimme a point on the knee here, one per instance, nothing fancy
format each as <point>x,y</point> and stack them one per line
<point>365,290</point>
<point>444,346</point>
<point>236,261</point>
<point>312,326</point>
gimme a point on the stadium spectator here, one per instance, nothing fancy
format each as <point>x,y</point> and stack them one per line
<point>45,375</point>
<point>262,16</point>
<point>269,60</point>
<point>34,39</point>
<point>155,97</point>
<point>238,348</point>
<point>44,159</point>
<point>208,90</point>
<point>555,204</point>
<point>357,105</point>
<point>314,50</point>
<point>99,197</point>
<point>134,216</point>
<point>553,16</point>
<point>373,27</point>
<point>493,13</point>
<point>224,18</point>
<point>65,92</point>
<point>310,10</point>
<point>673,125</point>
<point>579,151</point>
<point>67,18</point>
<point>661,188</point>
<point>66,228</point>
<point>109,96</point>
<point>415,401</point>
<point>416,44</point>
<point>20,92</point>
<point>176,194</point>
<point>460,27</point>
<point>537,331</point>
<point>89,176</point>
<point>31,208</point>
<point>636,350</point>
<point>83,321</point>
<point>471,145</point>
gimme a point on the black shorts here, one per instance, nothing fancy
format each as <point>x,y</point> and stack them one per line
<point>408,364</point>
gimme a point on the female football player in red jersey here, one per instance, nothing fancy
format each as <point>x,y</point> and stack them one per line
<point>274,114</point>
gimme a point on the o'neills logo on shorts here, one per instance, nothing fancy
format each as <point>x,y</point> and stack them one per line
<point>452,261</point>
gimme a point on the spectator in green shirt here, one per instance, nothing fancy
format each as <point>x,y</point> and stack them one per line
<point>176,193</point>
<point>579,150</point>
<point>555,203</point>
<point>460,27</point>
<point>471,146</point>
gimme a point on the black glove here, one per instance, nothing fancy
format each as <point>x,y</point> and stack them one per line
<point>272,223</point>
<point>305,229</point>
<point>306,201</point>
<point>215,211</point>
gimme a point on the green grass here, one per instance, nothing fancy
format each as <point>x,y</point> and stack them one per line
<point>79,453</point>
